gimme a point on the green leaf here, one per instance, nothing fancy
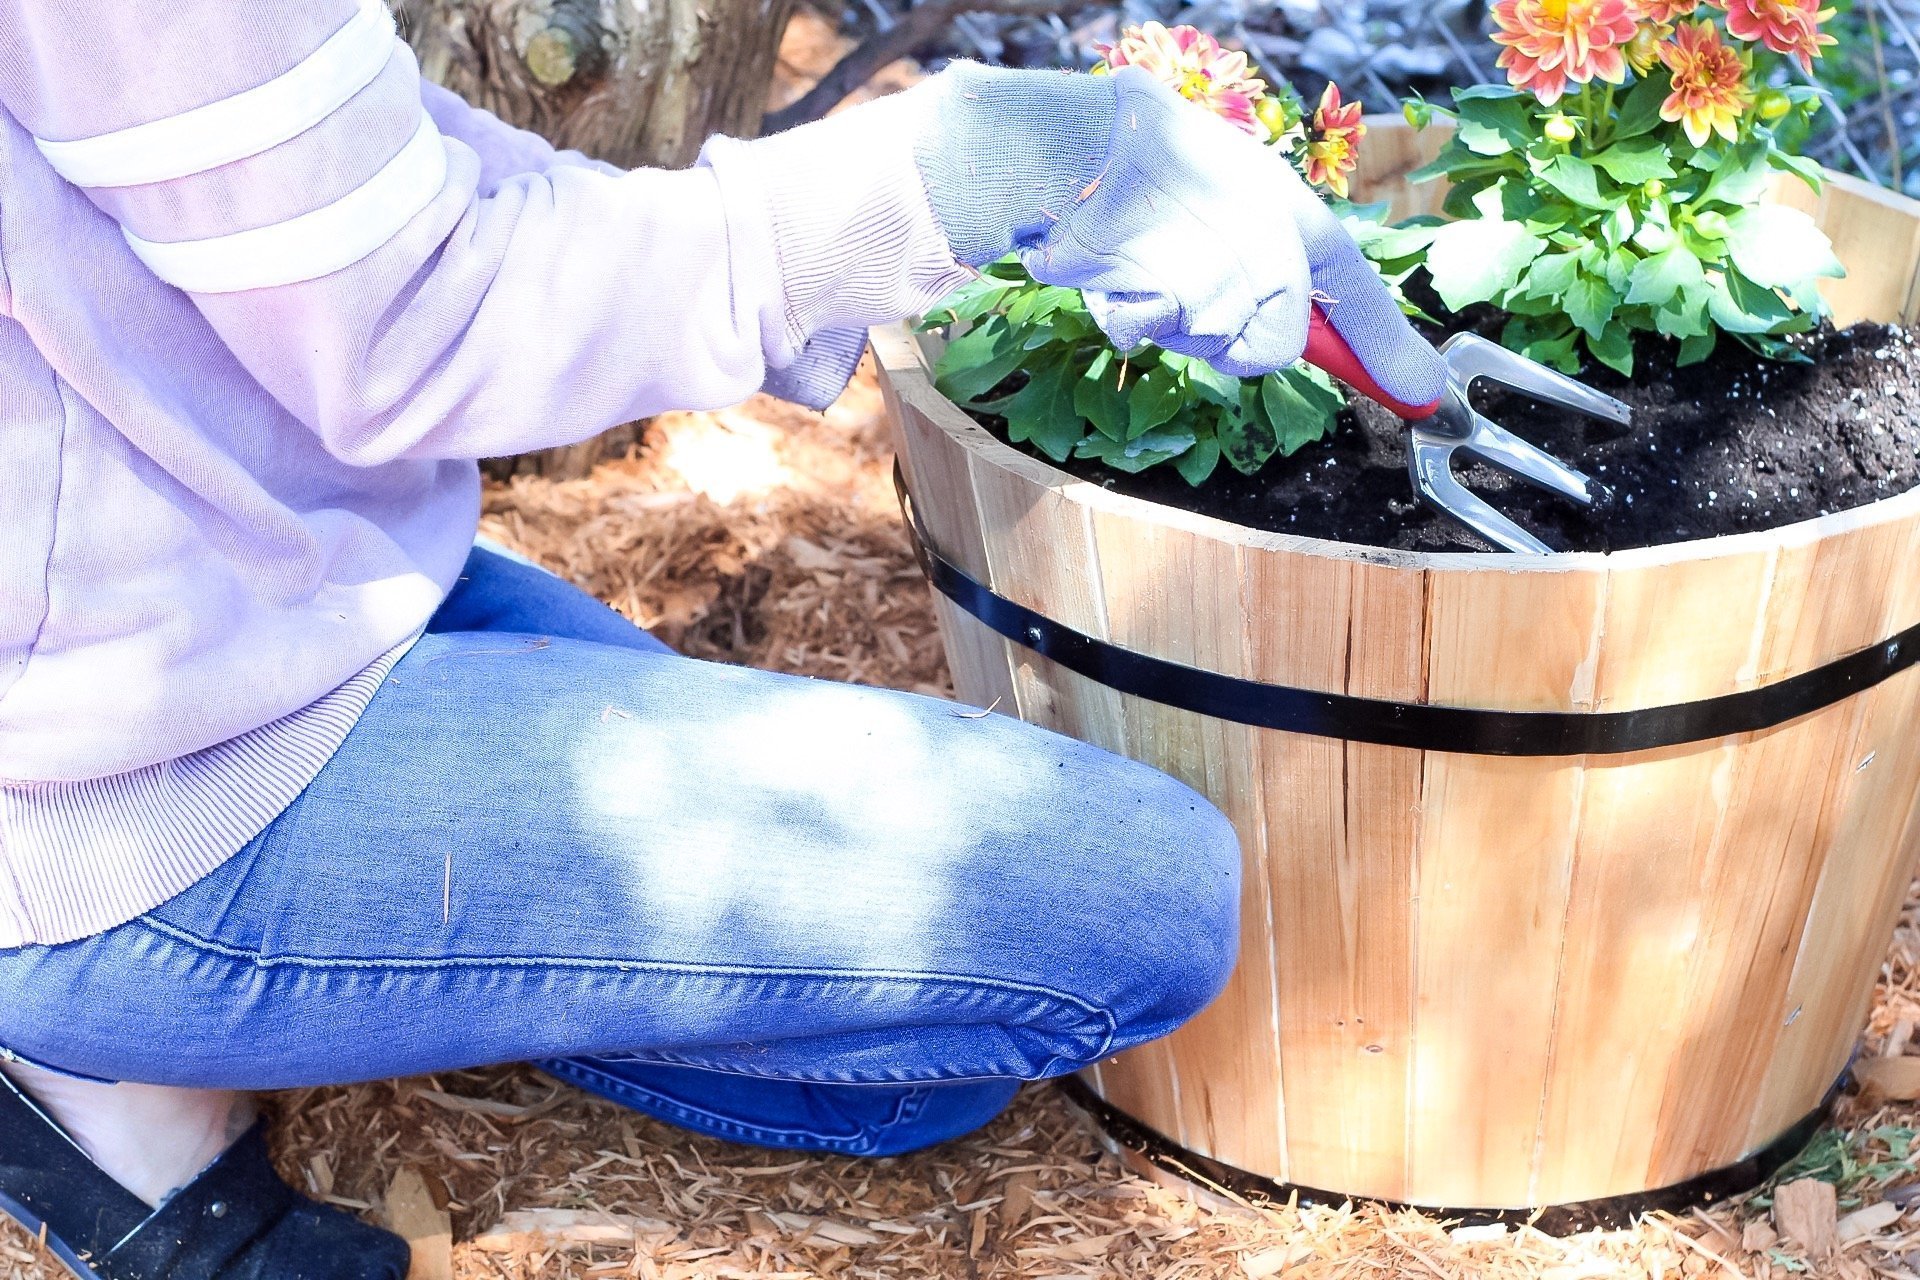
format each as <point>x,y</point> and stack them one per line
<point>1386,244</point>
<point>1138,455</point>
<point>1494,120</point>
<point>969,302</point>
<point>1774,348</point>
<point>1033,306</point>
<point>1660,276</point>
<point>1577,180</point>
<point>1635,160</point>
<point>1741,178</point>
<point>1808,171</point>
<point>1552,275</point>
<point>1778,246</point>
<point>1248,438</point>
<point>1521,305</point>
<point>1097,397</point>
<point>1042,411</point>
<point>1613,348</point>
<point>1590,303</point>
<point>1299,407</point>
<point>1695,349</point>
<point>1155,398</point>
<point>1687,315</point>
<point>1197,463</point>
<point>1169,440</point>
<point>1639,112</point>
<point>978,360</point>
<point>1475,261</point>
<point>1210,384</point>
<point>1560,351</point>
<point>1618,227</point>
<point>1618,270</point>
<point>1740,306</point>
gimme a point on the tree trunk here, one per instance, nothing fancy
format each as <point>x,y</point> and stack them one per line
<point>633,82</point>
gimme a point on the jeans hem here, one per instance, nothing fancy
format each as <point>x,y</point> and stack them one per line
<point>906,1109</point>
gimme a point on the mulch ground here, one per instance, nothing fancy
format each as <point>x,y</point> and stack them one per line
<point>768,536</point>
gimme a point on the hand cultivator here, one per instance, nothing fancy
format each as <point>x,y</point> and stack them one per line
<point>1436,431</point>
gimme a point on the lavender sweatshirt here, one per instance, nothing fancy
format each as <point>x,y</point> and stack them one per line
<point>264,296</point>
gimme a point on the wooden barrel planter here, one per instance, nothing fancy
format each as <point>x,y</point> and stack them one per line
<point>1567,878</point>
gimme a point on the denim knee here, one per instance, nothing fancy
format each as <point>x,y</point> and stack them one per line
<point>1192,951</point>
<point>1157,934</point>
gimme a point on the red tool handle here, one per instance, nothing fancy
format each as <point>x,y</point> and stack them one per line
<point>1327,350</point>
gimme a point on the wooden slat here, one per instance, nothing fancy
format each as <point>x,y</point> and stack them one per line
<point>937,472</point>
<point>1340,817</point>
<point>1647,823</point>
<point>1757,882</point>
<point>1390,151</point>
<point>1040,553</point>
<point>1174,593</point>
<point>1496,851</point>
<point>1865,864</point>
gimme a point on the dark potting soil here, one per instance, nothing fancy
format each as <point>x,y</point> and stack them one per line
<point>1733,444</point>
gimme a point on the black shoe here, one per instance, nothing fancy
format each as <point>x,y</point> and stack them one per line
<point>236,1221</point>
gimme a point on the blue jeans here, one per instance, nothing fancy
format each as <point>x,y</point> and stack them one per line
<point>781,910</point>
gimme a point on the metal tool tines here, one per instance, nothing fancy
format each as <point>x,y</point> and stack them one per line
<point>1454,426</point>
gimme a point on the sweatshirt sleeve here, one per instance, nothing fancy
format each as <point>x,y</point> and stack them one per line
<point>503,150</point>
<point>406,296</point>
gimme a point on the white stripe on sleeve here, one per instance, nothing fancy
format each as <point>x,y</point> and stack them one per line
<point>243,125</point>
<point>313,244</point>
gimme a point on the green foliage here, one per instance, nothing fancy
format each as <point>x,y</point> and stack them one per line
<point>1080,398</point>
<point>1627,229</point>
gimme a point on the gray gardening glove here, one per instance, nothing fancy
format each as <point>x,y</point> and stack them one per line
<point>1183,230</point>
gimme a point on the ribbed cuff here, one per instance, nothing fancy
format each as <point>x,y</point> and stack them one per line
<point>1007,153</point>
<point>822,371</point>
<point>852,233</point>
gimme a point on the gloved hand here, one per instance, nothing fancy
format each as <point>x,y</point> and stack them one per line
<point>1184,231</point>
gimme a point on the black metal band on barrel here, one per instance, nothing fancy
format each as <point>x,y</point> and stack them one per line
<point>1611,1213</point>
<point>1421,726</point>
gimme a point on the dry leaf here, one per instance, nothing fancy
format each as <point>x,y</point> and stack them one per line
<point>525,1230</point>
<point>320,1174</point>
<point>1089,1248</point>
<point>1867,1221</point>
<point>474,1106</point>
<point>413,1215</point>
<point>1016,1202</point>
<point>824,1229</point>
<point>1758,1237</point>
<point>1896,1079</point>
<point>1804,1213</point>
<point>1480,1234</point>
<point>1271,1262</point>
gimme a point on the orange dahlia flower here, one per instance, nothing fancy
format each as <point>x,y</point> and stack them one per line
<point>1664,12</point>
<point>1784,26</point>
<point>1196,66</point>
<point>1551,42</point>
<point>1710,90</point>
<point>1333,146</point>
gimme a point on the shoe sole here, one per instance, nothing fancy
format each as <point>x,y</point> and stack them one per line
<point>46,1239</point>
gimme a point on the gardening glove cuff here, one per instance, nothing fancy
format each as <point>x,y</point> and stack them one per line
<point>849,230</point>
<point>821,371</point>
